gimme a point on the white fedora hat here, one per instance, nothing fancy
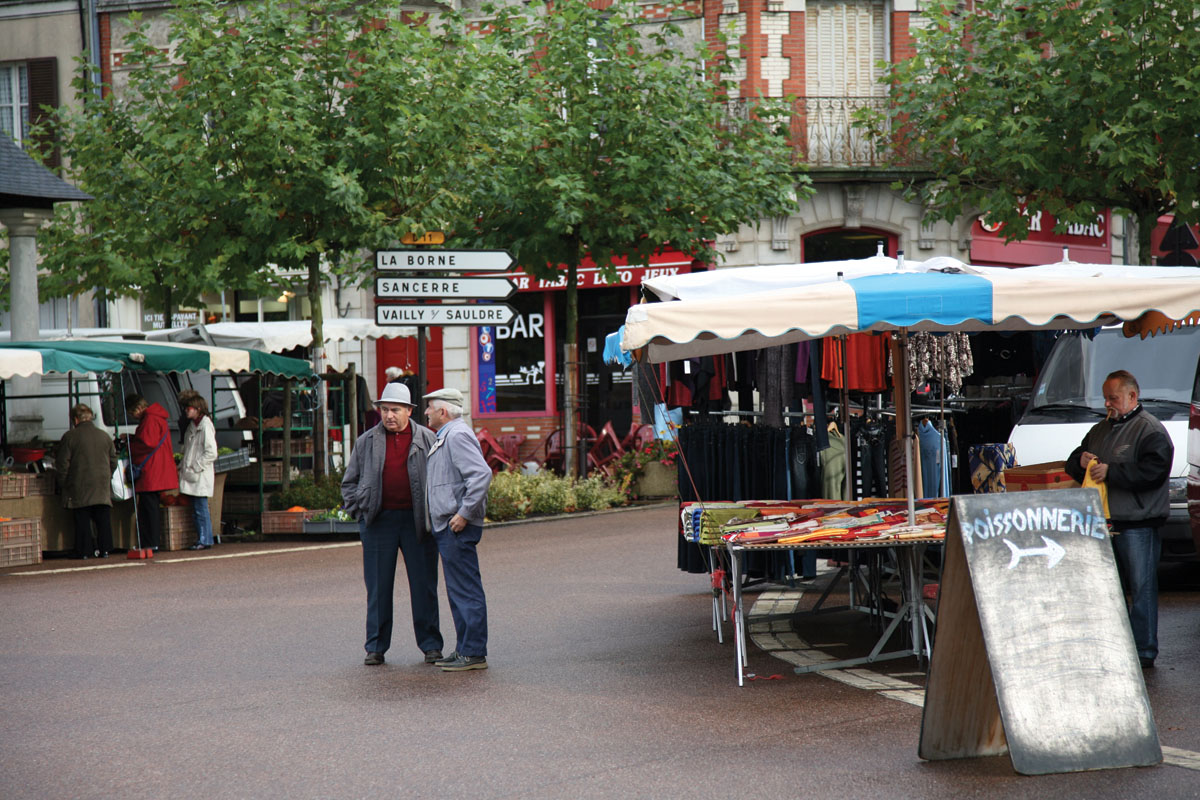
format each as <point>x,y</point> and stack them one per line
<point>395,393</point>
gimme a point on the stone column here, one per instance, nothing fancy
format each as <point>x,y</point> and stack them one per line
<point>25,416</point>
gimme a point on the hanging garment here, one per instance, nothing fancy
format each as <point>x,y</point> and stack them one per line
<point>987,463</point>
<point>804,464</point>
<point>866,362</point>
<point>872,455</point>
<point>945,356</point>
<point>932,450</point>
<point>833,468</point>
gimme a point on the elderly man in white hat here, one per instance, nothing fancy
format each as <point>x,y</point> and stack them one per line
<point>458,479</point>
<point>384,488</point>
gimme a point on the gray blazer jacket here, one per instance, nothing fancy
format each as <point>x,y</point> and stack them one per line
<point>362,492</point>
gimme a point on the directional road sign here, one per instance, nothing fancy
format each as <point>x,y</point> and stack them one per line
<point>429,260</point>
<point>445,314</point>
<point>451,286</point>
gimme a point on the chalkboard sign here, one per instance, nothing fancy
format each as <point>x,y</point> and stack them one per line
<point>1033,652</point>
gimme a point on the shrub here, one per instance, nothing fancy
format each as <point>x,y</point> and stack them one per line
<point>308,492</point>
<point>507,496</point>
<point>514,495</point>
<point>594,494</point>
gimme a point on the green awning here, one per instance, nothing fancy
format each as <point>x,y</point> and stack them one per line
<point>23,362</point>
<point>175,357</point>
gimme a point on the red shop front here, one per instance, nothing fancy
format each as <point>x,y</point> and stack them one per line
<point>517,369</point>
<point>1086,244</point>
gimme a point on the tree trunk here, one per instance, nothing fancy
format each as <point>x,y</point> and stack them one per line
<point>318,350</point>
<point>1142,223</point>
<point>571,373</point>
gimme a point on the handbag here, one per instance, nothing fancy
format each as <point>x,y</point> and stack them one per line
<point>122,485</point>
<point>137,468</point>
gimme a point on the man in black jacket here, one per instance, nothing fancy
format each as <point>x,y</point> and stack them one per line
<point>1133,456</point>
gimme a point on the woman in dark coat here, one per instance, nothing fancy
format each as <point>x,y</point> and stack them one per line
<point>85,460</point>
<point>150,449</point>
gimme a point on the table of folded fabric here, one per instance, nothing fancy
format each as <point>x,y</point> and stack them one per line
<point>862,531</point>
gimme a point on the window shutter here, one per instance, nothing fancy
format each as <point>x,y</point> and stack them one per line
<point>43,91</point>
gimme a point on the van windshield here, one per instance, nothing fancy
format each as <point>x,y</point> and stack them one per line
<point>1075,371</point>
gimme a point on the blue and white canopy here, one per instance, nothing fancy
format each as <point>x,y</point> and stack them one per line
<point>752,307</point>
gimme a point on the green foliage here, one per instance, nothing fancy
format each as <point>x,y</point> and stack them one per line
<point>324,492</point>
<point>1068,108</point>
<point>618,142</point>
<point>632,464</point>
<point>278,133</point>
<point>507,498</point>
<point>514,495</point>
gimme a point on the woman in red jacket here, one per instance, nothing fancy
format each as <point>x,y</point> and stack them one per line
<point>153,461</point>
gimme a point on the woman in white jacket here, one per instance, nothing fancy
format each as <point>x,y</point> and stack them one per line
<point>196,465</point>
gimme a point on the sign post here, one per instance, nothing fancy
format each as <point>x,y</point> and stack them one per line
<point>1033,652</point>
<point>434,274</point>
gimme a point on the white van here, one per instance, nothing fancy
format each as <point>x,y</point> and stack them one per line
<point>1067,401</point>
<point>105,393</point>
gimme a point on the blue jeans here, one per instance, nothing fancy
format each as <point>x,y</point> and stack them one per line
<point>464,586</point>
<point>1137,551</point>
<point>200,515</point>
<point>394,531</point>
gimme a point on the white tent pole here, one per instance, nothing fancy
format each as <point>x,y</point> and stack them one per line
<point>909,433</point>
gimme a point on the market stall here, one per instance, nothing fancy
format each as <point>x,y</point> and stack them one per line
<point>723,311</point>
<point>80,358</point>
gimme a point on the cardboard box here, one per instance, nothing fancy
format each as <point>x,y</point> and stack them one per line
<point>1038,477</point>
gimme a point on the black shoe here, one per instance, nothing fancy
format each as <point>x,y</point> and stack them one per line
<point>81,556</point>
<point>441,662</point>
<point>433,656</point>
<point>198,546</point>
<point>103,554</point>
<point>1147,663</point>
<point>464,663</point>
<point>373,659</point>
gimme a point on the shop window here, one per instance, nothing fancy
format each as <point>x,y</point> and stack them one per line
<point>512,359</point>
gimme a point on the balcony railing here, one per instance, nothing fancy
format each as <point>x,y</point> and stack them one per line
<point>825,135</point>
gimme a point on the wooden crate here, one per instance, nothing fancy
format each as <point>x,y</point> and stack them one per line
<point>272,473</point>
<point>287,521</point>
<point>178,528</point>
<point>1036,477</point>
<point>20,542</point>
<point>300,447</point>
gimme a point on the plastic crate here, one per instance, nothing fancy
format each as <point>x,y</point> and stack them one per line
<point>330,526</point>
<point>20,542</point>
<point>15,485</point>
<point>232,461</point>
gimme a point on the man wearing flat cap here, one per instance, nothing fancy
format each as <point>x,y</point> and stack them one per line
<point>384,489</point>
<point>458,480</point>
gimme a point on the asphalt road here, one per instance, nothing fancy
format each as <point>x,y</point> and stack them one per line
<point>237,673</point>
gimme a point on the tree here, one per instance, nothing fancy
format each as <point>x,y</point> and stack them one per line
<point>275,134</point>
<point>1068,108</point>
<point>623,145</point>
